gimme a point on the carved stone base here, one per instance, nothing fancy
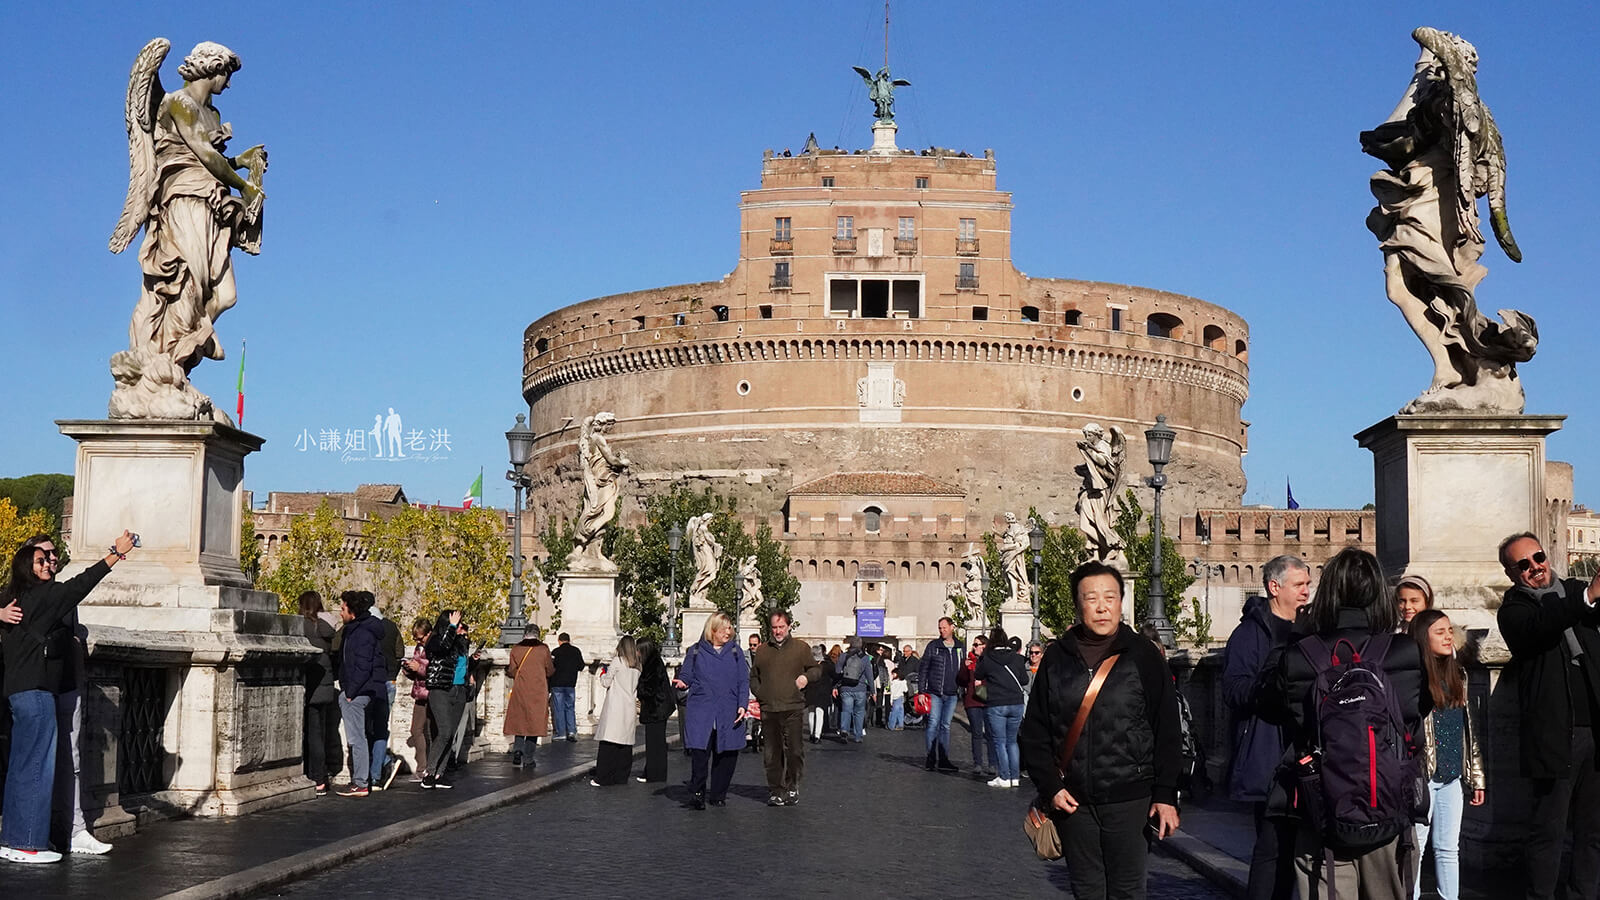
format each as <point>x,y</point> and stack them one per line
<point>1449,487</point>
<point>589,613</point>
<point>1494,394</point>
<point>883,133</point>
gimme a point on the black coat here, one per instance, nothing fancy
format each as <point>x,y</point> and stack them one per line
<point>656,699</point>
<point>1533,629</point>
<point>1258,744</point>
<point>1287,683</point>
<point>39,651</point>
<point>1131,746</point>
<point>1004,674</point>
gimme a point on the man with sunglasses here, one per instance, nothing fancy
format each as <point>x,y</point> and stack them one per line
<point>1549,625</point>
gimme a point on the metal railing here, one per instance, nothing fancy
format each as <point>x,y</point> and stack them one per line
<point>844,245</point>
<point>966,246</point>
<point>905,245</point>
<point>782,246</point>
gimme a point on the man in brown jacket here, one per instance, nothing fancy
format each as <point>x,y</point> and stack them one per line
<point>779,672</point>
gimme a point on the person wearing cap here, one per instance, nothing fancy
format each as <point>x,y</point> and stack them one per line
<point>1412,594</point>
<point>1549,626</point>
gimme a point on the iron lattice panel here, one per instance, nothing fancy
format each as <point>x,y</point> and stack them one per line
<point>140,755</point>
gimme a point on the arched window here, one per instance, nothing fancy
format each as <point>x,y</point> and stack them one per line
<point>1164,325</point>
<point>1030,314</point>
<point>542,345</point>
<point>1074,317</point>
<point>1214,338</point>
<point>872,518</point>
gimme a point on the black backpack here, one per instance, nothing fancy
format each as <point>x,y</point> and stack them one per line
<point>1357,785</point>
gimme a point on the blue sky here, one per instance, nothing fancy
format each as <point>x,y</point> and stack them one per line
<point>441,179</point>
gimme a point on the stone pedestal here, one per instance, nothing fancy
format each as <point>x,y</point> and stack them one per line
<point>195,683</point>
<point>1449,488</point>
<point>883,133</point>
<point>590,614</point>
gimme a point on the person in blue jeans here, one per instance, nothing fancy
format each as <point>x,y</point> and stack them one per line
<point>568,661</point>
<point>856,677</point>
<point>1451,750</point>
<point>364,686</point>
<point>937,673</point>
<point>39,652</point>
<point>1004,673</point>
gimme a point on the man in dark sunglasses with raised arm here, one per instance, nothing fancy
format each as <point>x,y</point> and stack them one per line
<point>1549,625</point>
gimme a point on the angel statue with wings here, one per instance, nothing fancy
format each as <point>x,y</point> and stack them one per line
<point>194,206</point>
<point>1443,152</point>
<point>1101,471</point>
<point>880,90</point>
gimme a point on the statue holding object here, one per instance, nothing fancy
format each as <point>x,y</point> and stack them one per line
<point>707,560</point>
<point>880,90</point>
<point>187,195</point>
<point>602,474</point>
<point>1101,473</point>
<point>1443,153</point>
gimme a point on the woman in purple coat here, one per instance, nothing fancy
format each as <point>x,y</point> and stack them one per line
<point>717,676</point>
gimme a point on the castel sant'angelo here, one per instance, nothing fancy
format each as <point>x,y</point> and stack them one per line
<point>878,380</point>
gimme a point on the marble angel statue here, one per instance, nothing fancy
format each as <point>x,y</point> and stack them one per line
<point>707,559</point>
<point>602,473</point>
<point>1443,153</point>
<point>188,196</point>
<point>1101,473</point>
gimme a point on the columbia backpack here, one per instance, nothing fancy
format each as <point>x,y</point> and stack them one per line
<point>1357,785</point>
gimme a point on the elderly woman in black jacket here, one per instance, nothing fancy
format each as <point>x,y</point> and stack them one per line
<point>1352,604</point>
<point>1105,776</point>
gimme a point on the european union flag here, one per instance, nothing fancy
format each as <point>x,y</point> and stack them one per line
<point>1291,504</point>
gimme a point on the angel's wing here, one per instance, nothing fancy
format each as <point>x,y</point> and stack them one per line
<point>144,99</point>
<point>1119,446</point>
<point>862,72</point>
<point>901,82</point>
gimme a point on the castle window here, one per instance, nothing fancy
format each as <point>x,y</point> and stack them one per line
<point>922,183</point>
<point>845,227</point>
<point>874,297</point>
<point>677,318</point>
<point>638,323</point>
<point>968,277</point>
<point>1164,325</point>
<point>967,230</point>
<point>1116,319</point>
<point>827,181</point>
<point>871,519</point>
<point>780,274</point>
<point>908,228</point>
<point>541,346</point>
<point>980,314</point>
<point>1214,338</point>
<point>780,228</point>
<point>721,312</point>
<point>766,310</point>
<point>1030,314</point>
<point>1074,317</point>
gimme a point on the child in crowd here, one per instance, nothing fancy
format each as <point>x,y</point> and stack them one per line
<point>897,701</point>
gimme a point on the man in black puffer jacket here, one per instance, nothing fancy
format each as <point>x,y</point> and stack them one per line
<point>364,683</point>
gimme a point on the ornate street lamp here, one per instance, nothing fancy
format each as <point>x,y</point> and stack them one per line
<point>520,441</point>
<point>1159,440</point>
<point>674,541</point>
<point>1036,541</point>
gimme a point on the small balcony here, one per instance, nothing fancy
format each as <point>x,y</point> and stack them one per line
<point>966,282</point>
<point>967,247</point>
<point>906,246</point>
<point>780,283</point>
<point>782,247</point>
<point>844,245</point>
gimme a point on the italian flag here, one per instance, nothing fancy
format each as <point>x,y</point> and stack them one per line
<point>474,493</point>
<point>239,409</point>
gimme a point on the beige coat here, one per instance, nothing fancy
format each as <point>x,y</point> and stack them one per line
<point>528,707</point>
<point>619,717</point>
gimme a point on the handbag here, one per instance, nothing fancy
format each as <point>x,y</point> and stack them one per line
<point>513,687</point>
<point>1037,824</point>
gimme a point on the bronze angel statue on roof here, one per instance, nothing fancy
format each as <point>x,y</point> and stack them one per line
<point>195,207</point>
<point>1444,152</point>
<point>880,90</point>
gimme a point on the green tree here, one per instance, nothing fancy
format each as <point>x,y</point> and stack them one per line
<point>1175,577</point>
<point>397,555</point>
<point>44,491</point>
<point>557,538</point>
<point>644,561</point>
<point>1585,567</point>
<point>249,544</point>
<point>312,556</point>
<point>466,566</point>
<point>1065,548</point>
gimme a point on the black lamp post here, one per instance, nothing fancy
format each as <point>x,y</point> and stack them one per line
<point>1036,541</point>
<point>674,541</point>
<point>520,441</point>
<point>1159,440</point>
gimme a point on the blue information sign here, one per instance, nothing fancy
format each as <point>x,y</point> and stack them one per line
<point>869,622</point>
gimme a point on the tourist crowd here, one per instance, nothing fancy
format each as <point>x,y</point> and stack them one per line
<point>1355,741</point>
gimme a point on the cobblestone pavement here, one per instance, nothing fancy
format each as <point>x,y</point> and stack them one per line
<point>870,819</point>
